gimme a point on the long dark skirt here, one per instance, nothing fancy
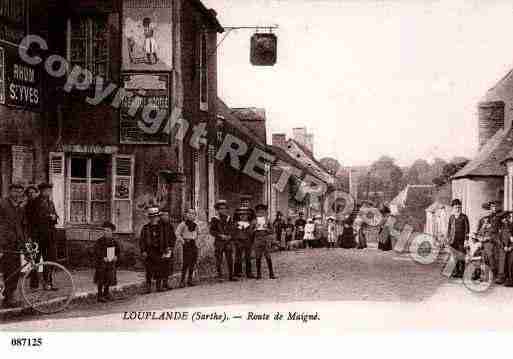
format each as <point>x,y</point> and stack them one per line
<point>386,244</point>
<point>347,240</point>
<point>157,267</point>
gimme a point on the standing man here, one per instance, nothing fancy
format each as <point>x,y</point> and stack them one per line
<point>44,218</point>
<point>263,237</point>
<point>155,245</point>
<point>220,229</point>
<point>12,238</point>
<point>278,226</point>
<point>502,248</point>
<point>457,233</point>
<point>300,227</point>
<point>493,233</point>
<point>170,233</point>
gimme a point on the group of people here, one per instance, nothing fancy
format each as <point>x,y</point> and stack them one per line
<point>235,238</point>
<point>314,233</point>
<point>27,214</point>
<point>490,249</point>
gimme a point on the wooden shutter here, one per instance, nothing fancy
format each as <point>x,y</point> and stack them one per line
<point>123,192</point>
<point>56,175</point>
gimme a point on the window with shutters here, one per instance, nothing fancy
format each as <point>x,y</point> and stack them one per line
<point>2,76</point>
<point>98,188</point>
<point>88,44</point>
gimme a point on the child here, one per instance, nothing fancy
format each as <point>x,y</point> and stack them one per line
<point>187,234</point>
<point>106,252</point>
<point>263,236</point>
<point>309,233</point>
<point>331,232</point>
<point>243,239</point>
<point>289,231</point>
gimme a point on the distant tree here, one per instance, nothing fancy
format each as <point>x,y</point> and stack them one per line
<point>448,171</point>
<point>419,172</point>
<point>383,181</point>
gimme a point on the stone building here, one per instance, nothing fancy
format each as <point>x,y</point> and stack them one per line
<point>107,163</point>
<point>488,176</point>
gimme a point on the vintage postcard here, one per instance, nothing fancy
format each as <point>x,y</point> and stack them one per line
<point>255,166</point>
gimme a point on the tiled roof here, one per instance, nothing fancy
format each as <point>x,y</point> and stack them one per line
<point>412,192</point>
<point>254,119</point>
<point>488,161</point>
<point>281,154</point>
<point>235,124</point>
<point>311,157</point>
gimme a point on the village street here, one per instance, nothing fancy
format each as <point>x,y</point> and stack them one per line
<point>366,289</point>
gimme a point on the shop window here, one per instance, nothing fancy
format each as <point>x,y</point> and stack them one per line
<point>203,71</point>
<point>88,44</point>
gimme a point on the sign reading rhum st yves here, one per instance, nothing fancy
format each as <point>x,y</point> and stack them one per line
<point>20,83</point>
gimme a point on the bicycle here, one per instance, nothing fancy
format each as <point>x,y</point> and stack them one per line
<point>35,294</point>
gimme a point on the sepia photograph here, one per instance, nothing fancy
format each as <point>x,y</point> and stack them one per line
<point>291,167</point>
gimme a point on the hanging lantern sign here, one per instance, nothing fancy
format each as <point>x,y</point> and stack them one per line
<point>264,47</point>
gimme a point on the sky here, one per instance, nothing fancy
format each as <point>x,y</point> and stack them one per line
<point>370,78</point>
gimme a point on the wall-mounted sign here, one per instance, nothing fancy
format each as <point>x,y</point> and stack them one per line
<point>12,20</point>
<point>20,83</point>
<point>264,47</point>
<point>147,35</point>
<point>22,164</point>
<point>144,88</point>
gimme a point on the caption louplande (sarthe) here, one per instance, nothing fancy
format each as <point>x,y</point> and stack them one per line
<point>221,317</point>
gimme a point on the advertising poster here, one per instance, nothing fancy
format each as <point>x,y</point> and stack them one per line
<point>146,89</point>
<point>147,35</point>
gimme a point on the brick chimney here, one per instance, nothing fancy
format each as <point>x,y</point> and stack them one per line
<point>310,142</point>
<point>299,135</point>
<point>491,119</point>
<point>279,140</point>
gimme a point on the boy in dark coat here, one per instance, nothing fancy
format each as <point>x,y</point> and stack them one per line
<point>106,254</point>
<point>220,229</point>
<point>263,236</point>
<point>243,238</point>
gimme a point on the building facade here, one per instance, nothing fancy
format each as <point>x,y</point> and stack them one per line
<point>106,160</point>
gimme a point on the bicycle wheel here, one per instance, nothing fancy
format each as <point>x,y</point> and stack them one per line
<point>43,299</point>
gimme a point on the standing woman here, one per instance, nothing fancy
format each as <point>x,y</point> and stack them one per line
<point>348,240</point>
<point>187,233</point>
<point>156,250</point>
<point>385,232</point>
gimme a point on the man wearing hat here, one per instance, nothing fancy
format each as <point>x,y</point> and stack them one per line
<point>263,237</point>
<point>155,243</point>
<point>242,236</point>
<point>41,221</point>
<point>220,229</point>
<point>457,233</point>
<point>490,246</point>
<point>12,238</point>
